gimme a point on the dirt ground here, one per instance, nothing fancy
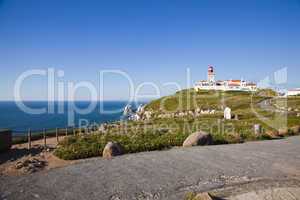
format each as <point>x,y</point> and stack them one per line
<point>20,153</point>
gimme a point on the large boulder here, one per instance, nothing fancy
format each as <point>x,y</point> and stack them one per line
<point>112,149</point>
<point>272,133</point>
<point>5,140</point>
<point>198,138</point>
<point>283,132</point>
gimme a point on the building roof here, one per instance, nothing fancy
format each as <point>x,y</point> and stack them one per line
<point>294,90</point>
<point>235,81</point>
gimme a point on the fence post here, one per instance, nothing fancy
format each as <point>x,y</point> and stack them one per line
<point>44,134</point>
<point>29,139</point>
<point>56,133</point>
<point>66,131</point>
<point>74,131</point>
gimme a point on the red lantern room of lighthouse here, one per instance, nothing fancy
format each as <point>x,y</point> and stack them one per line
<point>210,74</point>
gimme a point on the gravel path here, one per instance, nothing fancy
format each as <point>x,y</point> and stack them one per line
<point>162,175</point>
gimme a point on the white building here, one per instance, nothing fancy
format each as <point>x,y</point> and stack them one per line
<point>293,92</point>
<point>226,85</point>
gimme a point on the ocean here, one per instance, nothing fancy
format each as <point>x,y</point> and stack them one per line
<point>14,118</point>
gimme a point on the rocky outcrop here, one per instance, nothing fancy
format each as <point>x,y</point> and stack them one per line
<point>30,165</point>
<point>198,138</point>
<point>191,113</point>
<point>112,149</point>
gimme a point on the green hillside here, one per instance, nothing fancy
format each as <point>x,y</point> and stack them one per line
<point>190,100</point>
<point>175,117</point>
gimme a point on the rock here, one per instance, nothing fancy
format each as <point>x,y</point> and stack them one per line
<point>127,110</point>
<point>198,138</point>
<point>202,196</point>
<point>147,115</point>
<point>141,108</point>
<point>101,128</point>
<point>19,165</point>
<point>272,133</point>
<point>30,165</point>
<point>283,131</point>
<point>295,129</point>
<point>112,149</point>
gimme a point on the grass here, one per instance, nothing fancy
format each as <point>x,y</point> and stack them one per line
<point>159,134</point>
<point>139,139</point>
<point>291,102</point>
<point>191,100</point>
<point>77,147</point>
<point>190,196</point>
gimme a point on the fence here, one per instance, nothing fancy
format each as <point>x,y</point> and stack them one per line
<point>44,134</point>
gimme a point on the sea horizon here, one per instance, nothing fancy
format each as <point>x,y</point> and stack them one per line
<point>12,117</point>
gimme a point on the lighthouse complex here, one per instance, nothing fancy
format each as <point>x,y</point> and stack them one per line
<point>225,85</point>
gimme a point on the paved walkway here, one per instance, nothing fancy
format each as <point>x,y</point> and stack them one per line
<point>164,175</point>
<point>273,194</point>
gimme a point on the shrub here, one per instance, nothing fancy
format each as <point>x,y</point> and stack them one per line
<point>190,196</point>
<point>78,147</point>
<point>264,136</point>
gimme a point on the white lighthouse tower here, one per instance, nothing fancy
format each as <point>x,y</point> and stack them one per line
<point>210,74</point>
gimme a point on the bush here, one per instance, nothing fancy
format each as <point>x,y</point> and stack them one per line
<point>264,136</point>
<point>78,147</point>
<point>190,196</point>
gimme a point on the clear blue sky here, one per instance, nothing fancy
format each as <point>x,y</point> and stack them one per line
<point>151,40</point>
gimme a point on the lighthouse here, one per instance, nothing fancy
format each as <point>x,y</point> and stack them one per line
<point>210,74</point>
<point>223,85</point>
